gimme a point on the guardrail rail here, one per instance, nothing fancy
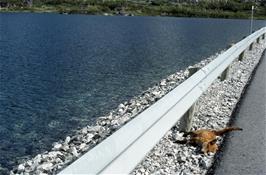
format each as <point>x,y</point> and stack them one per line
<point>124,149</point>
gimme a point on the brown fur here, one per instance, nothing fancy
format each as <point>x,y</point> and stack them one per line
<point>206,138</point>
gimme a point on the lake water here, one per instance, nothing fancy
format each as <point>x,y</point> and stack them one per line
<point>60,72</point>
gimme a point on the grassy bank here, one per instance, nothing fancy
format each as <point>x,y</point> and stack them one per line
<point>213,9</point>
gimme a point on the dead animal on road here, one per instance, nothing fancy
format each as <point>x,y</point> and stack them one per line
<point>206,138</point>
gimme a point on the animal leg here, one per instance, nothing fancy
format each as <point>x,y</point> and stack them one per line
<point>204,148</point>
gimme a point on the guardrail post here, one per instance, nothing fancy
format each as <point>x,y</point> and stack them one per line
<point>230,45</point>
<point>225,74</point>
<point>186,121</point>
<point>251,46</point>
<point>258,40</point>
<point>192,70</point>
<point>241,56</point>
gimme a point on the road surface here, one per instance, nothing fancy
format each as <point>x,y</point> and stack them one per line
<point>245,151</point>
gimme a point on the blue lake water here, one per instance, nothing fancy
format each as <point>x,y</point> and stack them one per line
<point>60,72</point>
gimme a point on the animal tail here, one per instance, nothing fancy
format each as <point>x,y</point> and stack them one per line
<point>228,129</point>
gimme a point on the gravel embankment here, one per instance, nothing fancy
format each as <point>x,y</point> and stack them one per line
<point>214,110</point>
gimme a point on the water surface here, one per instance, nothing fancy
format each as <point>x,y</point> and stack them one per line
<point>59,73</point>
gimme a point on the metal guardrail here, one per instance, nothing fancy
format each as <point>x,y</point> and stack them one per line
<point>123,150</point>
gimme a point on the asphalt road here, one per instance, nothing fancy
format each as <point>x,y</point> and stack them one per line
<point>245,151</point>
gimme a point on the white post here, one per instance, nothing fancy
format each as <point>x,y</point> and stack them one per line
<point>251,46</point>
<point>258,40</point>
<point>187,119</point>
<point>251,19</point>
<point>241,56</point>
<point>225,74</point>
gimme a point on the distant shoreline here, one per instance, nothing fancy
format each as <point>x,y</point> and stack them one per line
<point>126,14</point>
<point>229,10</point>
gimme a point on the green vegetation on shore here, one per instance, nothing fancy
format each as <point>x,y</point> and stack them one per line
<point>202,8</point>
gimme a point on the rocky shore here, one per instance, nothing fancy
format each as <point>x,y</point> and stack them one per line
<point>214,110</point>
